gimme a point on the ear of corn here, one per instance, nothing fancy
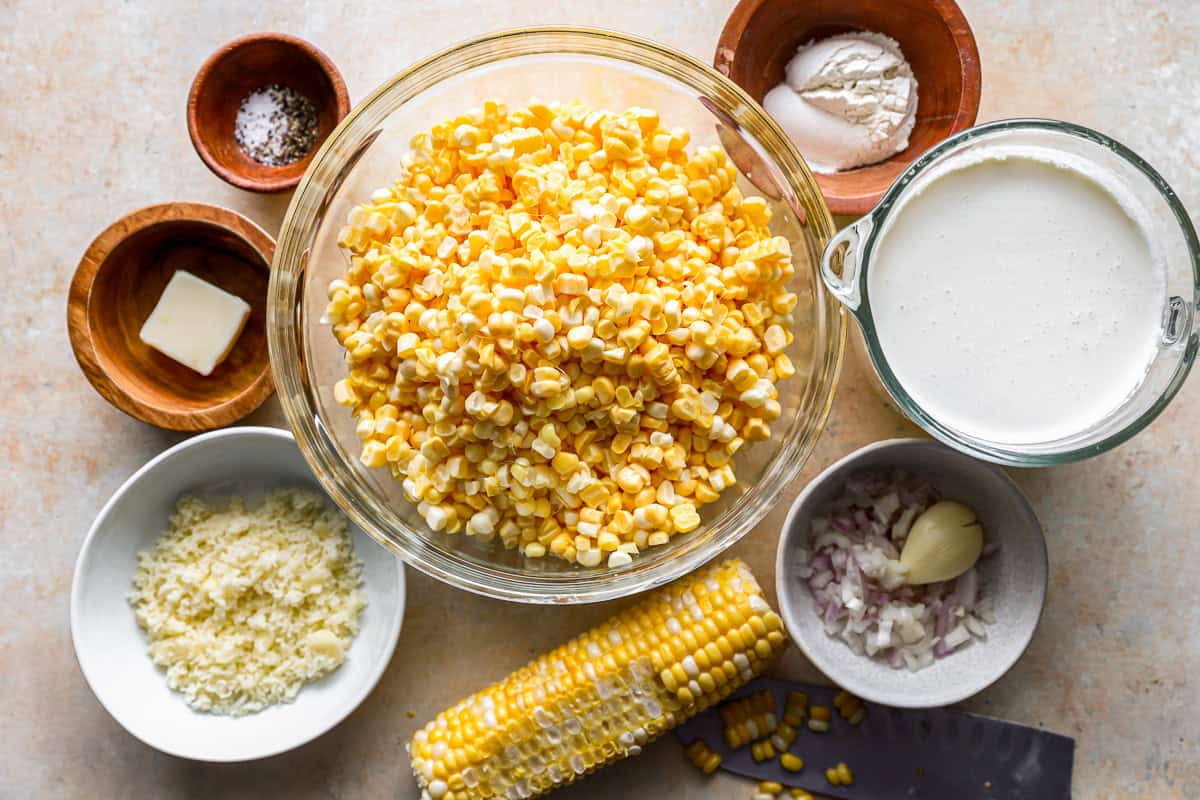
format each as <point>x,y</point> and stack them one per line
<point>605,694</point>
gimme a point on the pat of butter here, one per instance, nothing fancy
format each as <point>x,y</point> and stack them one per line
<point>195,323</point>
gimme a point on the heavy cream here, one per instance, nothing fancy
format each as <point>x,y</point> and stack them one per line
<point>1016,298</point>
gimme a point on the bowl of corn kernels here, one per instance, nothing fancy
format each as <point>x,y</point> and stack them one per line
<point>546,318</point>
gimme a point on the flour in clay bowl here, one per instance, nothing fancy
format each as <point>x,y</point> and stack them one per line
<point>847,101</point>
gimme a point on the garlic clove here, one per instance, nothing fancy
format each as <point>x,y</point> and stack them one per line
<point>945,541</point>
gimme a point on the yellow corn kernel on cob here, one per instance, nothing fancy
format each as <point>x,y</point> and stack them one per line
<point>605,694</point>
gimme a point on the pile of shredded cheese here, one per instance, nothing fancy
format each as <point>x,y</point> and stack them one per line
<point>244,607</point>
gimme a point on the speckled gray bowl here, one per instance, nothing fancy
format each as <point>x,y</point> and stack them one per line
<point>1015,577</point>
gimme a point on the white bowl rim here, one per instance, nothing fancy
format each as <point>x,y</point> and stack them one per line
<point>367,686</point>
<point>829,668</point>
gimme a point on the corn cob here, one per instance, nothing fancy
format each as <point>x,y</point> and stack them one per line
<point>604,695</point>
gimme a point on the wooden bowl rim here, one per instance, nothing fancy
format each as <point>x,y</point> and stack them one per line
<point>233,177</point>
<point>79,325</point>
<point>970,78</point>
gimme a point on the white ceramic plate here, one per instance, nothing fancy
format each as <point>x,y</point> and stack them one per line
<point>111,648</point>
<point>1015,577</point>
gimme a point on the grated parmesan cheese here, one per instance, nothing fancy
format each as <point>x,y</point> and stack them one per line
<point>242,608</point>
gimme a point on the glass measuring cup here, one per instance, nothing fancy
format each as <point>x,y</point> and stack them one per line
<point>846,265</point>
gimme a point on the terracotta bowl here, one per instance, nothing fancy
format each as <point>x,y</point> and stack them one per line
<point>761,36</point>
<point>236,70</point>
<point>117,284</point>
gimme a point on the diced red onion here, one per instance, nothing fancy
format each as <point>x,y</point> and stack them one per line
<point>854,559</point>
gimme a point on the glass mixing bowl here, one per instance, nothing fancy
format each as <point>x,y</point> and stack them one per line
<point>607,71</point>
<point>848,259</point>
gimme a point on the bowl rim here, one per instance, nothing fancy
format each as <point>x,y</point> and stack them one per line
<point>75,620</point>
<point>830,668</point>
<point>970,81</point>
<point>429,557</point>
<point>199,83</point>
<point>79,324</point>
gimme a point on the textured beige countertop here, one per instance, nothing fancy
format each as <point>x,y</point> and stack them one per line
<point>92,126</point>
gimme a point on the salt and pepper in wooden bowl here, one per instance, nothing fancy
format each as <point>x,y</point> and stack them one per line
<point>260,107</point>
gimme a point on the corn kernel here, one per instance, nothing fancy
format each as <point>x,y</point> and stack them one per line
<point>374,454</point>
<point>762,751</point>
<point>577,275</point>
<point>344,393</point>
<point>791,762</point>
<point>684,517</point>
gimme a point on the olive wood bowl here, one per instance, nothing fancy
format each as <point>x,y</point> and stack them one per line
<point>233,72</point>
<point>761,36</point>
<point>119,281</point>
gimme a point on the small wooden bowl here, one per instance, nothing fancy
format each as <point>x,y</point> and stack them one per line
<point>119,281</point>
<point>229,76</point>
<point>761,36</point>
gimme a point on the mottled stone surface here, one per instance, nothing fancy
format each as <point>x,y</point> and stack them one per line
<point>92,125</point>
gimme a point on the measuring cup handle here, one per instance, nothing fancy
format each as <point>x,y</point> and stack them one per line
<point>845,287</point>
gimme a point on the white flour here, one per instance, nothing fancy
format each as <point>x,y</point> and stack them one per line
<point>847,101</point>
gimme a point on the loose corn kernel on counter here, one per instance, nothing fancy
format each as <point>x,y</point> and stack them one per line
<point>560,327</point>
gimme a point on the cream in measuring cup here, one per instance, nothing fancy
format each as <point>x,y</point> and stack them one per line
<point>1016,298</point>
<point>1015,292</point>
